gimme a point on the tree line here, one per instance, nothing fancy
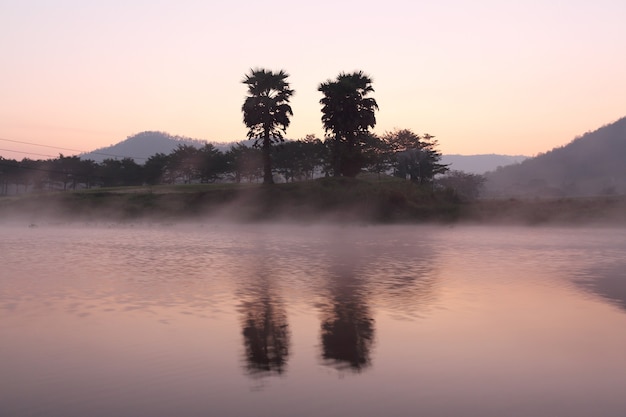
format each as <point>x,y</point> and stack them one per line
<point>348,148</point>
<point>401,153</point>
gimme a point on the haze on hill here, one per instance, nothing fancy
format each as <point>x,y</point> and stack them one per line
<point>592,164</point>
<point>142,146</point>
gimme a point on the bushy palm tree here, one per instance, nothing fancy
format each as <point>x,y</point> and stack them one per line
<point>347,116</point>
<point>266,111</point>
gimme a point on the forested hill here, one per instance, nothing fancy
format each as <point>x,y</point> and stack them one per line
<point>592,164</point>
<point>142,146</point>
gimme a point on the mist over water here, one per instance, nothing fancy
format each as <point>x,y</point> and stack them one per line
<point>249,320</point>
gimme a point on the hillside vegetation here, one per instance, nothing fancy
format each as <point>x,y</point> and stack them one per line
<point>590,165</point>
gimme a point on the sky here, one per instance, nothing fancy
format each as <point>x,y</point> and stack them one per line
<point>483,76</point>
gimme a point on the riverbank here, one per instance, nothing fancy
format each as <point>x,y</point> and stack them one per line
<point>327,200</point>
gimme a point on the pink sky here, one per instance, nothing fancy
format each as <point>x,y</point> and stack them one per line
<point>483,76</point>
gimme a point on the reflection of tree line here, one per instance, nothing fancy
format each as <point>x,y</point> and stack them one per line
<point>347,329</point>
<point>607,280</point>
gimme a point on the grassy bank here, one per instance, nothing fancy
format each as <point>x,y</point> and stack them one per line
<point>372,200</point>
<point>601,210</point>
<point>326,199</point>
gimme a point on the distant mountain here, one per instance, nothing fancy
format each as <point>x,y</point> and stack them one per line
<point>479,164</point>
<point>592,164</point>
<point>143,145</point>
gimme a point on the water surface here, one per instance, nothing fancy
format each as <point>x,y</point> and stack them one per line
<point>262,320</point>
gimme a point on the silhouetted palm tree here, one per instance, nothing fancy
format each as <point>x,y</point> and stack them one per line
<point>348,114</point>
<point>266,111</point>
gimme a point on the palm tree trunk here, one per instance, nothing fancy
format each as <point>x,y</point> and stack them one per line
<point>267,161</point>
<point>336,156</point>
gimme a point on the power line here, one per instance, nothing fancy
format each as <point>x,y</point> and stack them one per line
<point>63,149</point>
<point>37,144</point>
<point>28,153</point>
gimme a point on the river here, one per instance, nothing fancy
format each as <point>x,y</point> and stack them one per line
<point>278,320</point>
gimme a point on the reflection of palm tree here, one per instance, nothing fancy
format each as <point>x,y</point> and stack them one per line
<point>266,336</point>
<point>265,331</point>
<point>402,278</point>
<point>348,334</point>
<point>347,330</point>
